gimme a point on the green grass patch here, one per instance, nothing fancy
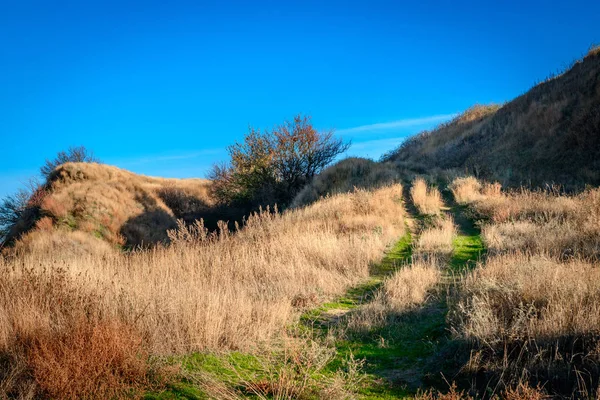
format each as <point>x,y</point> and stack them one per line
<point>468,249</point>
<point>230,368</point>
<point>398,255</point>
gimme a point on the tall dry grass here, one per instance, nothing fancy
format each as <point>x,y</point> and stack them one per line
<point>427,199</point>
<point>405,290</point>
<point>543,221</point>
<point>534,318</point>
<point>530,311</point>
<point>437,240</point>
<point>226,291</point>
<point>346,175</point>
<point>522,297</point>
<point>414,283</point>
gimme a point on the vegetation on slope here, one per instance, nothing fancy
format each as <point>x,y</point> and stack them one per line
<point>529,313</point>
<point>270,168</point>
<point>86,207</point>
<point>549,134</point>
<point>346,175</point>
<point>204,292</point>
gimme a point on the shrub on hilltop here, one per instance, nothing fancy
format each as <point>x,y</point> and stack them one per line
<point>273,166</point>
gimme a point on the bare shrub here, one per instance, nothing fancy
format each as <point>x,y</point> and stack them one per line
<point>75,154</point>
<point>20,211</point>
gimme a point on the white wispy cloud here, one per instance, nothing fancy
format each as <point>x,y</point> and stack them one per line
<point>163,158</point>
<point>379,143</point>
<point>375,148</point>
<point>394,125</point>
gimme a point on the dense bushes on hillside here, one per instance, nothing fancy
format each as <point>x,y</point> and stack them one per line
<point>271,167</point>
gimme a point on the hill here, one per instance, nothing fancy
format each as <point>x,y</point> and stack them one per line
<point>92,207</point>
<point>551,134</point>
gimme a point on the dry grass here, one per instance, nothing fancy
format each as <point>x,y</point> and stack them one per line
<point>427,199</point>
<point>407,289</point>
<point>344,176</point>
<point>530,297</point>
<point>226,291</point>
<point>113,205</point>
<point>522,391</point>
<point>535,221</point>
<point>548,134</point>
<point>466,190</point>
<point>531,311</point>
<point>437,241</point>
<point>532,316</point>
<point>296,372</point>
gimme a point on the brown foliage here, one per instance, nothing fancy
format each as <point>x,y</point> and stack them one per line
<point>100,360</point>
<point>272,167</point>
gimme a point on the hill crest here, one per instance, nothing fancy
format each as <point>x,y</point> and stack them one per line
<point>93,207</point>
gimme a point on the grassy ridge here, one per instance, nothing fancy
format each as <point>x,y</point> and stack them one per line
<point>547,135</point>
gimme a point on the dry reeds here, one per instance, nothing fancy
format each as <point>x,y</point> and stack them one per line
<point>427,199</point>
<point>204,292</point>
<point>533,304</point>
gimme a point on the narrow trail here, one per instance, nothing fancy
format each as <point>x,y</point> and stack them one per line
<point>404,355</point>
<point>399,356</point>
<point>468,246</point>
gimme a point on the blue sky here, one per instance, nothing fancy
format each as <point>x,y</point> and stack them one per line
<point>162,87</point>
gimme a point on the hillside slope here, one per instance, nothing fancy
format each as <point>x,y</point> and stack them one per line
<point>549,134</point>
<point>93,207</point>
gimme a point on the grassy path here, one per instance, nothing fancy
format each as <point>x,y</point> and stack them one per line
<point>398,356</point>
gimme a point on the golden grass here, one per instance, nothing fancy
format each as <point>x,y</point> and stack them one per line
<point>427,199</point>
<point>229,291</point>
<point>534,221</point>
<point>437,241</point>
<point>346,175</point>
<point>114,205</point>
<point>466,190</point>
<point>408,288</point>
<point>534,304</point>
<point>520,297</point>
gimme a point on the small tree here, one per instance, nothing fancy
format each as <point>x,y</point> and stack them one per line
<point>20,206</point>
<point>73,154</point>
<point>272,167</point>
